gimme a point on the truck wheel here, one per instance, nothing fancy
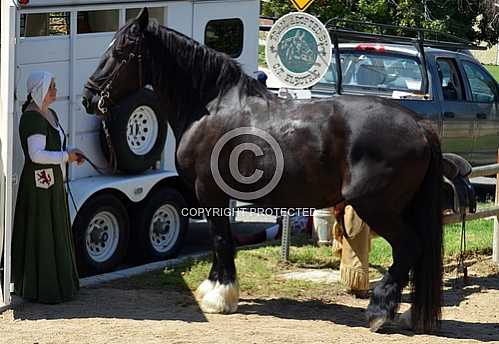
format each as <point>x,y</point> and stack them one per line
<point>101,231</point>
<point>138,132</point>
<point>161,228</point>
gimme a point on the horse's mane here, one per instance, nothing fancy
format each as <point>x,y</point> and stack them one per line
<point>191,74</point>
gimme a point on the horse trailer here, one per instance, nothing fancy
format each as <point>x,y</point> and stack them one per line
<point>112,215</point>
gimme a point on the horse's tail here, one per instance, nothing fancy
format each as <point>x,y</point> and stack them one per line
<point>427,272</point>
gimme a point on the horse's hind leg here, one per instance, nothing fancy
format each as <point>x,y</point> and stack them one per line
<point>406,246</point>
<point>220,292</point>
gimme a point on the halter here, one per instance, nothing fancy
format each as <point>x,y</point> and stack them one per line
<point>104,90</point>
<point>105,100</point>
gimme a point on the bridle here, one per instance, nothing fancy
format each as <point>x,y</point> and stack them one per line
<point>104,90</point>
<point>105,101</point>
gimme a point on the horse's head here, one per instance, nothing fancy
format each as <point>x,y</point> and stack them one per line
<point>121,69</point>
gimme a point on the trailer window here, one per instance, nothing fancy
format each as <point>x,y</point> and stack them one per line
<point>156,14</point>
<point>98,21</point>
<point>44,24</point>
<point>225,35</point>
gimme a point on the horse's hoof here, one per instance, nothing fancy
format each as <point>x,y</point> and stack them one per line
<point>405,320</point>
<point>376,323</point>
<point>205,287</point>
<point>222,299</point>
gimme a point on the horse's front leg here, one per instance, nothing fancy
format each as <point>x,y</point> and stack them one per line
<point>220,292</point>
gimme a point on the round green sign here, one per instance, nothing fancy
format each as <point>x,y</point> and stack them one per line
<point>298,50</point>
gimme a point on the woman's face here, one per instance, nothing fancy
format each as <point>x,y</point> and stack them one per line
<point>52,93</point>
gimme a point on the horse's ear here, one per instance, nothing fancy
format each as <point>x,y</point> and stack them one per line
<point>143,19</point>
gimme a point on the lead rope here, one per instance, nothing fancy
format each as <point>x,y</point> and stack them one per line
<point>113,161</point>
<point>100,170</point>
<point>66,165</point>
<point>69,189</point>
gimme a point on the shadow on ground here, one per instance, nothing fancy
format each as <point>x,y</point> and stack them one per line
<point>460,292</point>
<point>118,303</point>
<point>355,317</point>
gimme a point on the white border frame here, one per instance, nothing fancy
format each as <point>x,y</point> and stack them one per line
<point>6,132</point>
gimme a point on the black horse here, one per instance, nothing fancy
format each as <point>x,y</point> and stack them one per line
<point>368,152</point>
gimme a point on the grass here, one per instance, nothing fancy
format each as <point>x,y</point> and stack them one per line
<point>479,235</point>
<point>494,70</point>
<point>260,269</point>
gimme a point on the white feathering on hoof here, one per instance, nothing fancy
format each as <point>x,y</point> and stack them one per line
<point>376,323</point>
<point>222,299</point>
<point>204,288</point>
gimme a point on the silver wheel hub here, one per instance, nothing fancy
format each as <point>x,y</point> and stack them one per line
<point>164,229</point>
<point>142,130</point>
<point>102,236</point>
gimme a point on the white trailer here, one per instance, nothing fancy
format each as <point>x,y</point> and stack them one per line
<point>67,38</point>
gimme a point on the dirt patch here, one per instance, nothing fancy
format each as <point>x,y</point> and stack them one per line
<point>115,313</point>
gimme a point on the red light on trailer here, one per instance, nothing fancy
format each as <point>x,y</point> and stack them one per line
<point>370,47</point>
<point>23,2</point>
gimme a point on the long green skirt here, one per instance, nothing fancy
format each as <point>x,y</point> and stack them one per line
<point>43,262</point>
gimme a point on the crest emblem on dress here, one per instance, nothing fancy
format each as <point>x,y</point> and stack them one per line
<point>298,50</point>
<point>44,178</point>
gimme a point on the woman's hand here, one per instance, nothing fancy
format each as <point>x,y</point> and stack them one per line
<point>76,155</point>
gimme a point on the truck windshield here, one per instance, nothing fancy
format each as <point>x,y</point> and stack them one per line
<point>383,72</point>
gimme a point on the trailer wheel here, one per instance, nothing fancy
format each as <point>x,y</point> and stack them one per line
<point>138,132</point>
<point>161,228</point>
<point>101,231</point>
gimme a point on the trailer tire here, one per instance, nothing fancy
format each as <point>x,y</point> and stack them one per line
<point>138,132</point>
<point>160,227</point>
<point>101,232</point>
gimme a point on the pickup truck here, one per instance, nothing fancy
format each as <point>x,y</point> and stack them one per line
<point>461,97</point>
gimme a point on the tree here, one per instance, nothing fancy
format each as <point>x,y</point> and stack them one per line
<point>475,20</point>
<point>489,24</point>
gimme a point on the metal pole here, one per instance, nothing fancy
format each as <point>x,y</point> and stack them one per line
<point>339,75</point>
<point>420,47</point>
<point>495,241</point>
<point>286,235</point>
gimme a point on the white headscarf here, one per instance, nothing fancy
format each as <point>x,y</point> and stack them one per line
<point>38,85</point>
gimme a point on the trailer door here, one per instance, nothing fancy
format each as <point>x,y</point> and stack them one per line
<point>95,30</point>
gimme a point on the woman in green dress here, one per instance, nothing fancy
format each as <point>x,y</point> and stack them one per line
<point>43,261</point>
